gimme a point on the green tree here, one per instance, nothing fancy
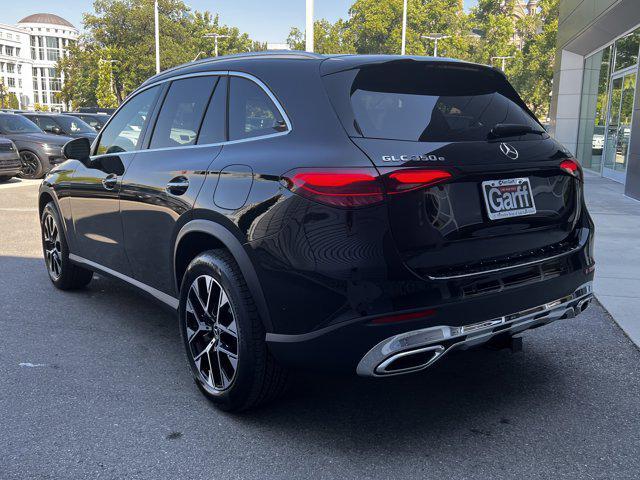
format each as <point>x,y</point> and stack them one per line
<point>105,95</point>
<point>531,71</point>
<point>327,37</point>
<point>80,69</point>
<point>4,93</point>
<point>12,101</point>
<point>124,31</point>
<point>497,21</point>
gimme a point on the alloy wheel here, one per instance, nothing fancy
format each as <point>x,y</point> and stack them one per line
<point>212,333</point>
<point>52,246</point>
<point>30,164</point>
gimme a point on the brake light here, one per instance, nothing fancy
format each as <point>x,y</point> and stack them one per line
<point>340,187</point>
<point>407,180</point>
<point>357,187</point>
<point>571,167</point>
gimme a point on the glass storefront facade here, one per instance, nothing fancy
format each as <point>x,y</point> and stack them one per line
<point>607,105</point>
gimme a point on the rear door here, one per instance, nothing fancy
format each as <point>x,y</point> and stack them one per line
<point>163,180</point>
<point>503,197</point>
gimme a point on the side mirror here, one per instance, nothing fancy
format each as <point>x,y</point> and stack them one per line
<point>54,130</point>
<point>77,149</point>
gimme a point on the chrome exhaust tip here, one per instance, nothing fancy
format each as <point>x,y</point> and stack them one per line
<point>411,360</point>
<point>583,305</point>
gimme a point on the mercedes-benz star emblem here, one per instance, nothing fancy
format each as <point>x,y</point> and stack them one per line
<point>509,150</point>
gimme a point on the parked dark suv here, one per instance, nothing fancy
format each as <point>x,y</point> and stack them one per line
<point>362,213</point>
<point>39,151</point>
<point>58,124</point>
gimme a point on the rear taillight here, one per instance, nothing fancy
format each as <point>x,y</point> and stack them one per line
<point>407,180</point>
<point>339,187</point>
<point>572,167</point>
<point>358,187</point>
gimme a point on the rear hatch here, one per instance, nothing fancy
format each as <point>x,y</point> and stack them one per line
<point>506,200</point>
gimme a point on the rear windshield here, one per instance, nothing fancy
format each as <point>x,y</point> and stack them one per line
<point>425,102</point>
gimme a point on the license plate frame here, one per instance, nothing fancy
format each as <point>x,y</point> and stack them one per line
<point>508,198</point>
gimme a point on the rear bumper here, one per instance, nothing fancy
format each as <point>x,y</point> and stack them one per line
<point>348,346</point>
<point>9,165</point>
<point>416,350</point>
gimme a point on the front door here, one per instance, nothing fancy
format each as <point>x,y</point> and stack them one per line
<point>619,122</point>
<point>94,189</point>
<point>164,179</point>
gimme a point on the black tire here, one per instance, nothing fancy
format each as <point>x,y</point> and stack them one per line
<point>5,178</point>
<point>33,167</point>
<point>64,274</point>
<point>258,378</point>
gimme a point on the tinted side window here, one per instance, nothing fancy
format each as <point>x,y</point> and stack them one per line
<point>215,120</point>
<point>123,132</point>
<point>181,113</point>
<point>251,111</point>
<point>47,124</point>
<point>35,120</point>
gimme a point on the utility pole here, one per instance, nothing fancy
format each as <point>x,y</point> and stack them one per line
<point>435,37</point>
<point>504,59</point>
<point>215,37</point>
<point>309,27</point>
<point>157,30</point>
<point>403,48</point>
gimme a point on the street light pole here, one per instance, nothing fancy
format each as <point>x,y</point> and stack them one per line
<point>309,27</point>
<point>435,37</point>
<point>504,59</point>
<point>215,37</point>
<point>157,31</point>
<point>404,28</point>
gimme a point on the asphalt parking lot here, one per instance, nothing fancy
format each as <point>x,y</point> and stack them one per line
<point>93,384</point>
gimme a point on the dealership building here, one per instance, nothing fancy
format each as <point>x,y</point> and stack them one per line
<point>29,53</point>
<point>594,110</point>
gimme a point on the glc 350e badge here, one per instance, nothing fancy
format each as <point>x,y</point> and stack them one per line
<point>412,158</point>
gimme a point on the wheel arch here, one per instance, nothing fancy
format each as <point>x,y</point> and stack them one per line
<point>201,235</point>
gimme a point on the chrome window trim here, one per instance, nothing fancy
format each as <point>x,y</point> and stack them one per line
<point>230,73</point>
<point>163,297</point>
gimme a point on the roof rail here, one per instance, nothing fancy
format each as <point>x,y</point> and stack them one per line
<point>264,53</point>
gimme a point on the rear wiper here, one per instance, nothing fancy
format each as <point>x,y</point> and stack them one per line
<point>512,129</point>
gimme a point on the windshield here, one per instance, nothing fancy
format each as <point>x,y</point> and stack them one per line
<point>73,125</point>
<point>11,123</point>
<point>427,102</point>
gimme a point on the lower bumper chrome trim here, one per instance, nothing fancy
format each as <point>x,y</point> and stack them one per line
<point>394,355</point>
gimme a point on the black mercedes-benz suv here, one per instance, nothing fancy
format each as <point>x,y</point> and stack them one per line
<point>362,213</point>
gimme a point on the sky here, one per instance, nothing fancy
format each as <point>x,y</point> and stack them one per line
<point>265,21</point>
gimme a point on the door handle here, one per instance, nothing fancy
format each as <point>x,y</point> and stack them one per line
<point>178,185</point>
<point>110,181</point>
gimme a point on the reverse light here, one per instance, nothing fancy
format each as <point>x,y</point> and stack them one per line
<point>406,180</point>
<point>572,167</point>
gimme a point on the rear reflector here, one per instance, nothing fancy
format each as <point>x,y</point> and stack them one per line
<point>402,317</point>
<point>406,180</point>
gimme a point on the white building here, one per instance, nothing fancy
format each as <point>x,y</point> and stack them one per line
<point>29,53</point>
